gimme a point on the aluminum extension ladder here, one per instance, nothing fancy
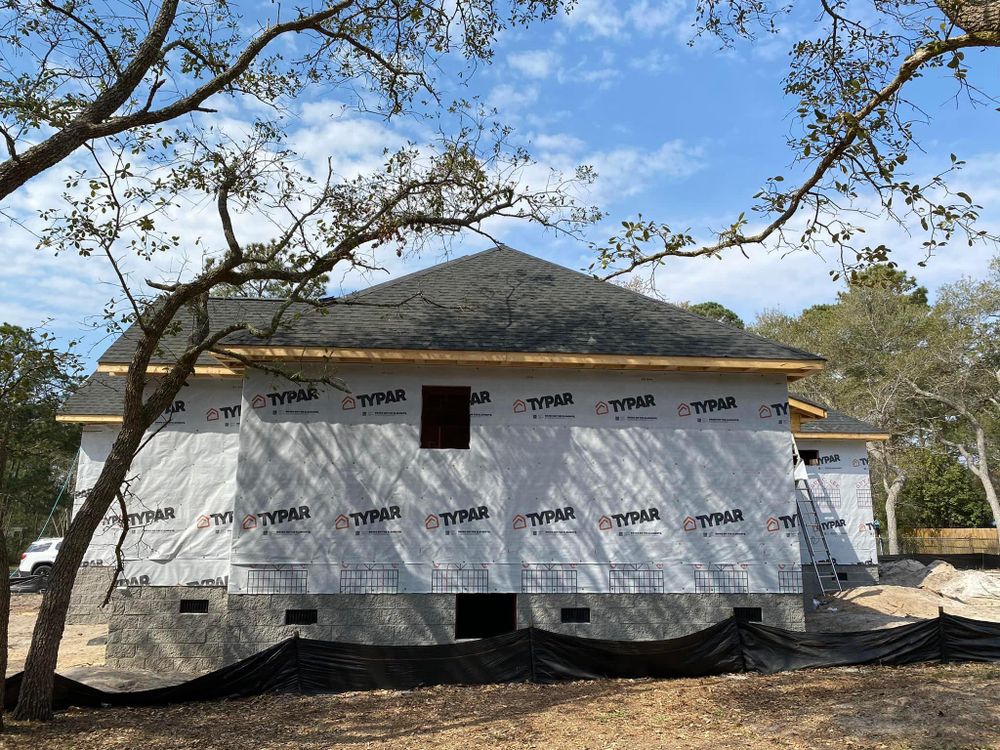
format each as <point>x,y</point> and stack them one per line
<point>810,523</point>
<point>826,569</point>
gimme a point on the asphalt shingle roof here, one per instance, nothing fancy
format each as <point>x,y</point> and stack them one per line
<point>506,300</point>
<point>99,394</point>
<point>221,310</point>
<point>835,422</point>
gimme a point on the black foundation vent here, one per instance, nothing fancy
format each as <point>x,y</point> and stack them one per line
<point>574,615</point>
<point>300,617</point>
<point>193,606</point>
<point>748,614</point>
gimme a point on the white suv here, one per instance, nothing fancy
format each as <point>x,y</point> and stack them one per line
<point>39,557</point>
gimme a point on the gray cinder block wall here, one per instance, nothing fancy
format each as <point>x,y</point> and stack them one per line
<point>89,590</point>
<point>148,631</point>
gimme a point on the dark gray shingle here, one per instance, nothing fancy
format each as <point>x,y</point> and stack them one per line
<point>99,394</point>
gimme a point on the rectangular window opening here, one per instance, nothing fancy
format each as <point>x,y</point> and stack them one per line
<point>300,617</point>
<point>748,614</point>
<point>485,615</point>
<point>810,458</point>
<point>444,416</point>
<point>574,615</point>
<point>842,575</point>
<point>194,606</point>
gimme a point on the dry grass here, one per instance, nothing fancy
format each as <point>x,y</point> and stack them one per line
<point>953,706</point>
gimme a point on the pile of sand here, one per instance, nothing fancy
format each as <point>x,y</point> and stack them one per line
<point>910,591</point>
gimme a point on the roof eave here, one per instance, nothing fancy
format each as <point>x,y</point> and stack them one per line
<point>792,368</point>
<point>873,437</point>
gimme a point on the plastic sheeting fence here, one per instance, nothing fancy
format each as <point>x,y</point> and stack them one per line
<point>310,667</point>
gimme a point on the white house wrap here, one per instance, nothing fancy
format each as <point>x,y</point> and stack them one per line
<point>626,482</point>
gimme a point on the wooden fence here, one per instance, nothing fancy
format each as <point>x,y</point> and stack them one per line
<point>950,541</point>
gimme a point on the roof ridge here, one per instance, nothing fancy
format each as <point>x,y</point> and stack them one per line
<point>381,286</point>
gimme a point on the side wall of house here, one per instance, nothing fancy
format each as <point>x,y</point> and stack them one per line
<point>178,498</point>
<point>842,489</point>
<point>666,486</point>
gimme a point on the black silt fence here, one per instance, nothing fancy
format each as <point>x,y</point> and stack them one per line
<point>307,667</point>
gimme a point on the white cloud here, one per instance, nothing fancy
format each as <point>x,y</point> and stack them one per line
<point>507,98</point>
<point>597,18</point>
<point>534,63</point>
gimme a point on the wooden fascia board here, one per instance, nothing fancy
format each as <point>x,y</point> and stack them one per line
<point>806,410</point>
<point>866,436</point>
<point>90,418</point>
<point>213,371</point>
<point>791,368</point>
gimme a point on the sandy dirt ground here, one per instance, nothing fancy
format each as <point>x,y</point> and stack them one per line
<point>911,708</point>
<point>74,651</point>
<point>910,592</point>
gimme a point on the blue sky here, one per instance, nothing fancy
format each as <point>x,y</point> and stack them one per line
<point>682,134</point>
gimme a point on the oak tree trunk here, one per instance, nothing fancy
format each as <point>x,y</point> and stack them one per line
<point>35,699</point>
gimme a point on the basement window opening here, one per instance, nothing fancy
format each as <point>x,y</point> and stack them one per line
<point>444,417</point>
<point>485,615</point>
<point>575,615</point>
<point>301,617</point>
<point>748,614</point>
<point>810,458</point>
<point>193,606</point>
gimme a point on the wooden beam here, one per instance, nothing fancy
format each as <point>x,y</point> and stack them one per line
<point>213,371</point>
<point>866,436</point>
<point>806,409</point>
<point>90,418</point>
<point>790,368</point>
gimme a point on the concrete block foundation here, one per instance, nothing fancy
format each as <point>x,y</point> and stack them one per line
<point>89,590</point>
<point>148,631</point>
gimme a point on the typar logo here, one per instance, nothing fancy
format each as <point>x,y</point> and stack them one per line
<point>477,398</point>
<point>141,518</point>
<point>277,517</point>
<point>766,411</point>
<point>286,398</point>
<point>628,518</point>
<point>777,523</point>
<point>859,462</point>
<point>348,403</point>
<point>544,517</point>
<point>223,412</point>
<point>837,523</point>
<point>627,403</point>
<point>381,398</point>
<point>258,402</point>
<point>208,520</point>
<point>541,403</point>
<point>713,520</point>
<point>833,458</point>
<point>708,406</point>
<point>368,517</point>
<point>457,517</point>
